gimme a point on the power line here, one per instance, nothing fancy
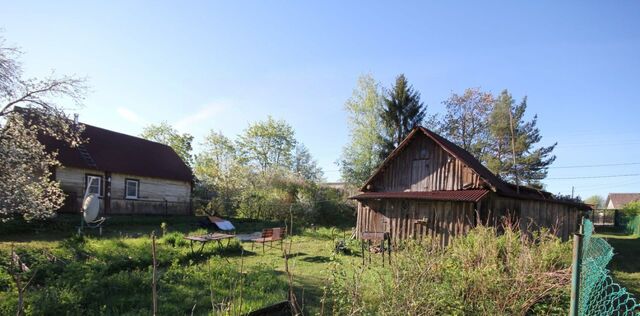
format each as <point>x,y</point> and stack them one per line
<point>594,166</point>
<point>598,177</point>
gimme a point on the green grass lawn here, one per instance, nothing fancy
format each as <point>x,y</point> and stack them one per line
<point>625,265</point>
<point>111,274</point>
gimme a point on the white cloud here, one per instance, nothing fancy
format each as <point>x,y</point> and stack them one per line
<point>202,114</point>
<point>129,115</point>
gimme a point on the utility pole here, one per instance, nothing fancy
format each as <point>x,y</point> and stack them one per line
<point>572,191</point>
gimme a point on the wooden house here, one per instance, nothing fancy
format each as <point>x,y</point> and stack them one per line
<point>429,186</point>
<point>136,176</point>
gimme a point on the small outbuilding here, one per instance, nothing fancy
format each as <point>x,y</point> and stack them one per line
<point>428,186</point>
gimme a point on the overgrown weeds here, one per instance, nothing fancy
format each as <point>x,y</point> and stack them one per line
<point>481,273</point>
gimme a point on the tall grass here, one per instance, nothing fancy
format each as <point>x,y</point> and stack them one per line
<point>481,273</point>
<point>87,276</point>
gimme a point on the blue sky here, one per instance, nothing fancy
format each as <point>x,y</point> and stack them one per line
<point>213,65</point>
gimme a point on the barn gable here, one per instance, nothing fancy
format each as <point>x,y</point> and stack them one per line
<point>421,163</point>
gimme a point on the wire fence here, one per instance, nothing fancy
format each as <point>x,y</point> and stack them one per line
<point>595,291</point>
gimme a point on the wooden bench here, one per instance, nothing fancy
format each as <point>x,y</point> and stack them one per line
<point>270,235</point>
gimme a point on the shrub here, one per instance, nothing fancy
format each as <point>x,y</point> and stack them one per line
<point>481,273</point>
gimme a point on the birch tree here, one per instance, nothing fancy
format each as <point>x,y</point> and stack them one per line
<point>363,152</point>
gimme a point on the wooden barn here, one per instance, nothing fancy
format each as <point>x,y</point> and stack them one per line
<point>429,186</point>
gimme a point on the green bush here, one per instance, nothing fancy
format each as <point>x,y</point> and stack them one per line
<point>481,273</point>
<point>633,226</point>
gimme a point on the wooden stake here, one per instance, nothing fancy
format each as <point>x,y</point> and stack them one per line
<point>153,281</point>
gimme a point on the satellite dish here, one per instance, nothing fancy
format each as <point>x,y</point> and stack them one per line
<point>90,208</point>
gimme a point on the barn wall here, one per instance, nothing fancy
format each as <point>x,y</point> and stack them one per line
<point>424,166</point>
<point>156,196</point>
<point>443,220</point>
<point>532,215</point>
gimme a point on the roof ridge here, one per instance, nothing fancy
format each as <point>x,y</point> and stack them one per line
<point>124,134</point>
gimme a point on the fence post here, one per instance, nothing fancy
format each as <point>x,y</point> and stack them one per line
<point>576,270</point>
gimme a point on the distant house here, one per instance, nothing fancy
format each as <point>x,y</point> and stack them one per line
<point>136,176</point>
<point>616,201</point>
<point>429,186</point>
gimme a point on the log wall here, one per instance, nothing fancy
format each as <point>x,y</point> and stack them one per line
<point>155,196</point>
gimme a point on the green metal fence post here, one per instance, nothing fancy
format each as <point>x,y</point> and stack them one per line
<point>576,269</point>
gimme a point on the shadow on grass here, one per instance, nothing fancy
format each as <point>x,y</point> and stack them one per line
<point>317,259</point>
<point>626,254</point>
<point>295,254</point>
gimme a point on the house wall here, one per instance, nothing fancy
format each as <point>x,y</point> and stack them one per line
<point>156,196</point>
<point>424,166</point>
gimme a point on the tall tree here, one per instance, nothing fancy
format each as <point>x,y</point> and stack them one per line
<point>304,166</point>
<point>401,112</point>
<point>30,108</point>
<point>466,120</point>
<point>512,152</point>
<point>219,170</point>
<point>596,200</point>
<point>268,144</point>
<point>164,133</point>
<point>362,154</point>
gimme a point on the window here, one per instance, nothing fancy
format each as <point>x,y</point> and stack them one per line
<point>131,188</point>
<point>93,184</point>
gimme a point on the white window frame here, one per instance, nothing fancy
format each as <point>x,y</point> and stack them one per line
<point>126,189</point>
<point>87,180</point>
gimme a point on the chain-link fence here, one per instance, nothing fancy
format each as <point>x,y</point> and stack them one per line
<point>594,292</point>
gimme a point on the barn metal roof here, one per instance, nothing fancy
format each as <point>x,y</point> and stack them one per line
<point>461,195</point>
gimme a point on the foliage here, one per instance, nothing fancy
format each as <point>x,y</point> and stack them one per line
<point>304,166</point>
<point>363,154</point>
<point>265,174</point>
<point>220,172</point>
<point>402,111</point>
<point>631,216</point>
<point>596,200</point>
<point>164,133</point>
<point>633,226</point>
<point>466,120</point>
<point>481,273</point>
<point>506,141</point>
<point>268,145</point>
<point>29,109</point>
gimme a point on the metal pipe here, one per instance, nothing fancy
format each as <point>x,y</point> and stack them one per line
<point>576,270</point>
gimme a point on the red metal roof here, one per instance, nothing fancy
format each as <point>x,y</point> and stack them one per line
<point>461,195</point>
<point>121,153</point>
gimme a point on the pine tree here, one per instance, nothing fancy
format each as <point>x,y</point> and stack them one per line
<point>402,111</point>
<point>511,135</point>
